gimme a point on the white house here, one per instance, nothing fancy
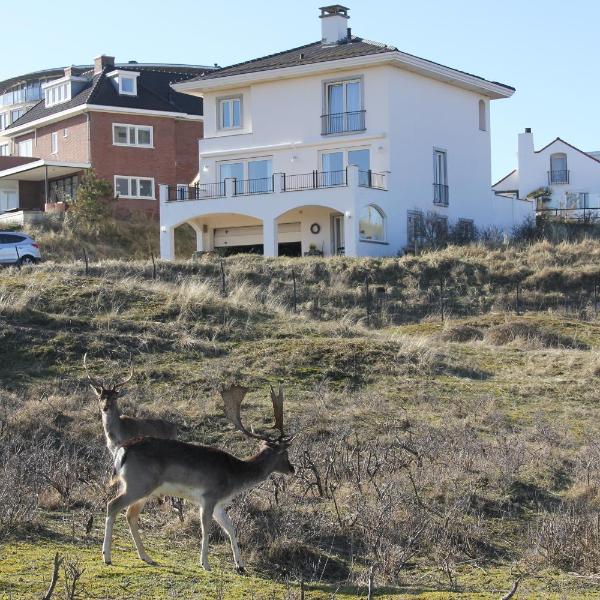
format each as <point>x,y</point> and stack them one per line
<point>342,146</point>
<point>566,178</point>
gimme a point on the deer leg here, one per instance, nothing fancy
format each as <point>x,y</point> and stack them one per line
<point>222,518</point>
<point>113,508</point>
<point>133,515</point>
<point>206,513</point>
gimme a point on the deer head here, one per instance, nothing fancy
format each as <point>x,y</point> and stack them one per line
<point>107,395</point>
<point>232,399</point>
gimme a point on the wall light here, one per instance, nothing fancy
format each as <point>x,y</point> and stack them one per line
<point>163,229</point>
<point>348,214</point>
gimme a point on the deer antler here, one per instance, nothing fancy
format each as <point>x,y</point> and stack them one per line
<point>126,380</point>
<point>232,399</point>
<point>95,382</point>
<point>277,400</point>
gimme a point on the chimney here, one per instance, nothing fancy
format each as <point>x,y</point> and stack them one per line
<point>101,62</point>
<point>69,72</point>
<point>525,142</point>
<point>334,23</point>
<point>524,162</point>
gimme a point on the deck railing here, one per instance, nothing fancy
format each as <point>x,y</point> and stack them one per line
<point>371,180</point>
<point>314,180</point>
<point>196,192</point>
<point>561,176</point>
<point>345,122</point>
<point>247,187</point>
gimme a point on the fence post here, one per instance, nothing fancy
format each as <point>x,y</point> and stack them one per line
<point>85,258</point>
<point>442,289</point>
<point>367,301</point>
<point>295,296</point>
<point>518,299</point>
<point>153,266</point>
<point>18,258</point>
<point>223,285</point>
<point>596,296</point>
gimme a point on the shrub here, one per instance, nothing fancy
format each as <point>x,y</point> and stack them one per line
<point>461,333</point>
<point>508,332</point>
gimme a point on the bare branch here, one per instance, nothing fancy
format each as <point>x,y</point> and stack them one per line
<point>57,562</point>
<point>513,590</point>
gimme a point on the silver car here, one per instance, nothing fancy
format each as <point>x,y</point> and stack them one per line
<point>18,249</point>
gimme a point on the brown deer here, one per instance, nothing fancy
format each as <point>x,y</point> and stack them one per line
<point>119,428</point>
<point>206,476</point>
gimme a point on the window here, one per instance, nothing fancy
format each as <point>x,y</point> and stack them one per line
<point>54,143</point>
<point>57,94</point>
<point>25,148</point>
<point>5,150</point>
<point>63,190</point>
<point>465,230</point>
<point>415,226</point>
<point>230,113</point>
<point>134,187</point>
<point>343,107</point>
<point>128,85</point>
<point>65,133</point>
<point>576,200</point>
<point>558,168</point>
<point>16,114</point>
<point>3,121</point>
<point>361,159</point>
<point>133,135</point>
<point>252,176</point>
<point>371,224</point>
<point>482,116</point>
<point>440,178</point>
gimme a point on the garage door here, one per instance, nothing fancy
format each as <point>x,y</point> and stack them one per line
<point>251,235</point>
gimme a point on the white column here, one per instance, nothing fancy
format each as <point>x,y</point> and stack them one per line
<point>350,233</point>
<point>353,176</point>
<point>230,187</point>
<point>167,242</point>
<point>270,237</point>
<point>199,229</point>
<point>163,193</point>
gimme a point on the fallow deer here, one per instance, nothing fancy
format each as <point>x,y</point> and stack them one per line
<point>119,428</point>
<point>206,476</point>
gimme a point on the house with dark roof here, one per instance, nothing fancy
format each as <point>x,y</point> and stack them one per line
<point>124,121</point>
<point>563,180</point>
<point>339,146</point>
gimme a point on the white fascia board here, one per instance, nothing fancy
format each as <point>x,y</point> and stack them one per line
<point>42,163</point>
<point>70,112</point>
<point>396,58</point>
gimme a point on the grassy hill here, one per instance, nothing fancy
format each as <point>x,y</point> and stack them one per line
<point>452,457</point>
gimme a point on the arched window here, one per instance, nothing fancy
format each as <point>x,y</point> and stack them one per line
<point>558,168</point>
<point>482,116</point>
<point>372,224</point>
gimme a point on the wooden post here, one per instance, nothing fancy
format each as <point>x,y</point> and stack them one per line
<point>223,283</point>
<point>442,282</point>
<point>295,295</point>
<point>367,301</point>
<point>85,258</point>
<point>153,266</point>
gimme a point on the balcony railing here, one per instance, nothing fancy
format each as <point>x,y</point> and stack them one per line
<point>558,177</point>
<point>584,214</point>
<point>440,194</point>
<point>314,180</point>
<point>247,187</point>
<point>196,192</point>
<point>343,122</point>
<point>371,180</point>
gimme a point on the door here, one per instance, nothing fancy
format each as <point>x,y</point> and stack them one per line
<point>260,176</point>
<point>362,159</point>
<point>337,235</point>
<point>332,164</point>
<point>344,103</point>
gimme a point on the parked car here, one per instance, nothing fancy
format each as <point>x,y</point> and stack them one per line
<point>18,249</point>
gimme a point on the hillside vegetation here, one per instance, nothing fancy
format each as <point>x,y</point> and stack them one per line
<point>452,457</point>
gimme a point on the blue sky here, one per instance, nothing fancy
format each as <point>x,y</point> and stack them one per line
<point>544,48</point>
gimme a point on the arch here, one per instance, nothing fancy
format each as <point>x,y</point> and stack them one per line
<point>482,116</point>
<point>559,172</point>
<point>372,224</point>
<point>309,206</point>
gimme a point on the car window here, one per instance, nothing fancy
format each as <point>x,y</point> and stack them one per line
<point>10,238</point>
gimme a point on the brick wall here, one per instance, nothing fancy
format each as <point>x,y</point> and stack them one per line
<point>72,140</point>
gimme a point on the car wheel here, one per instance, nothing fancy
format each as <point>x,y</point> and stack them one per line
<point>27,260</point>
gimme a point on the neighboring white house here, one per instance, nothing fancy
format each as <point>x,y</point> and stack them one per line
<point>567,177</point>
<point>343,146</point>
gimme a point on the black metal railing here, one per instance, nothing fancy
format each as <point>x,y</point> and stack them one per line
<point>558,177</point>
<point>583,214</point>
<point>246,187</point>
<point>343,122</point>
<point>314,180</point>
<point>371,180</point>
<point>196,192</point>
<point>440,194</point>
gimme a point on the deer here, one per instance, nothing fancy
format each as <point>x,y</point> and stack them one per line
<point>204,475</point>
<point>119,428</point>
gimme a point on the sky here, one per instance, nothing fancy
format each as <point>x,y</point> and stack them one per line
<point>544,48</point>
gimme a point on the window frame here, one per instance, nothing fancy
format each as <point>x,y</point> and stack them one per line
<point>417,237</point>
<point>220,102</point>
<point>343,81</point>
<point>137,129</point>
<point>137,179</point>
<point>483,118</point>
<point>383,221</point>
<point>54,142</point>
<point>123,78</point>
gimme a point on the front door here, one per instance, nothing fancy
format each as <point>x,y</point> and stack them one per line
<point>337,237</point>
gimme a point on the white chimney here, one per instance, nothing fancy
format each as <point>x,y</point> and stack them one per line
<point>334,23</point>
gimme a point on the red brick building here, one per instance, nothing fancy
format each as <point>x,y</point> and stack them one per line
<point>125,122</point>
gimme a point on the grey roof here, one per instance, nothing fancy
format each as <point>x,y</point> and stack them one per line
<point>316,52</point>
<point>154,93</point>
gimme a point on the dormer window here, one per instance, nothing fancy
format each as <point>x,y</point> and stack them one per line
<point>61,90</point>
<point>125,82</point>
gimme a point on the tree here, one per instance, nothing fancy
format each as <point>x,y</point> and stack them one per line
<point>91,211</point>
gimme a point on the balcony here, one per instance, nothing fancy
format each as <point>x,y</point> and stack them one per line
<point>440,194</point>
<point>558,177</point>
<point>348,122</point>
<point>247,187</point>
<point>196,192</point>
